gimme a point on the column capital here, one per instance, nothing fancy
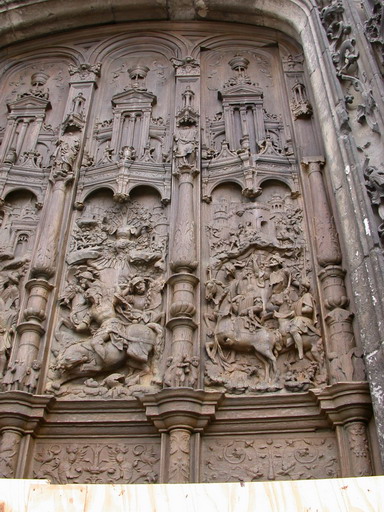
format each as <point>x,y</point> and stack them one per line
<point>181,408</point>
<point>312,163</point>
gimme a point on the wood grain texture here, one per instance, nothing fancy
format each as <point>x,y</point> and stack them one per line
<point>14,494</point>
<point>336,495</point>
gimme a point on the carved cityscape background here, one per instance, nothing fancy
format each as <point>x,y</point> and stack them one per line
<point>174,304</point>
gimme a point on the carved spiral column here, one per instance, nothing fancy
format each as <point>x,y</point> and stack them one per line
<point>341,349</point>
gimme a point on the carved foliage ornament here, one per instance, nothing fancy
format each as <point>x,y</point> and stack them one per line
<point>272,459</point>
<point>97,463</point>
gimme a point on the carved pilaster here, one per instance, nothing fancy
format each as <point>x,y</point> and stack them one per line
<point>360,460</point>
<point>349,409</point>
<point>341,349</point>
<point>45,263</point>
<point>179,456</point>
<point>43,267</point>
<point>9,450</point>
<point>19,413</point>
<point>30,330</point>
<point>183,365</point>
<point>341,345</point>
<point>181,413</point>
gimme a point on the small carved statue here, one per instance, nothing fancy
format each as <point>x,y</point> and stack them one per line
<point>64,159</point>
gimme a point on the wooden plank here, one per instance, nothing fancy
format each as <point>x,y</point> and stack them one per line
<point>57,498</point>
<point>14,494</point>
<point>335,495</point>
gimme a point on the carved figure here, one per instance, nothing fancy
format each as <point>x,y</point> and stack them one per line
<point>185,144</point>
<point>107,157</point>
<point>38,81</point>
<point>128,153</point>
<point>32,376</point>
<point>298,322</point>
<point>11,156</point>
<point>182,372</point>
<point>64,159</point>
<point>114,341</point>
<point>9,304</point>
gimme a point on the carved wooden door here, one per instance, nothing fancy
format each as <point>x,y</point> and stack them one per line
<point>184,238</point>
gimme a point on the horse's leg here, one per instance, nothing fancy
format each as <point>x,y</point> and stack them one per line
<point>265,363</point>
<point>298,342</point>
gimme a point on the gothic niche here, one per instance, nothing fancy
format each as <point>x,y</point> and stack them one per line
<point>261,319</point>
<point>110,330</point>
<point>18,220</point>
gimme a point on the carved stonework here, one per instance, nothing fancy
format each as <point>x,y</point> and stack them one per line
<point>111,315</point>
<point>179,455</point>
<point>259,298</point>
<point>9,449</point>
<point>251,459</point>
<point>97,463</point>
<point>19,217</point>
<point>85,71</point>
<point>346,59</point>
<point>359,449</point>
<point>374,182</point>
<point>175,302</point>
<point>374,28</point>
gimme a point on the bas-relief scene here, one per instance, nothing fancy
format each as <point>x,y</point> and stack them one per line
<point>111,317</point>
<point>169,238</point>
<point>260,326</point>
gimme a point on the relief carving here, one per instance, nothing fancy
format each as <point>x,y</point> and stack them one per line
<point>260,299</point>
<point>97,463</point>
<point>186,67</point>
<point>374,182</point>
<point>186,137</point>
<point>9,449</point>
<point>63,160</point>
<point>179,455</point>
<point>300,106</point>
<point>231,306</point>
<point>374,28</point>
<point>111,312</point>
<point>358,444</point>
<point>85,71</point>
<point>273,459</point>
<point>37,89</point>
<point>19,217</point>
<point>345,57</point>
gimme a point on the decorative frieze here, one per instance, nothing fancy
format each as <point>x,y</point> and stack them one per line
<point>254,459</point>
<point>106,462</point>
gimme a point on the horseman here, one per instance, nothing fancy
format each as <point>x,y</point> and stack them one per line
<point>298,319</point>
